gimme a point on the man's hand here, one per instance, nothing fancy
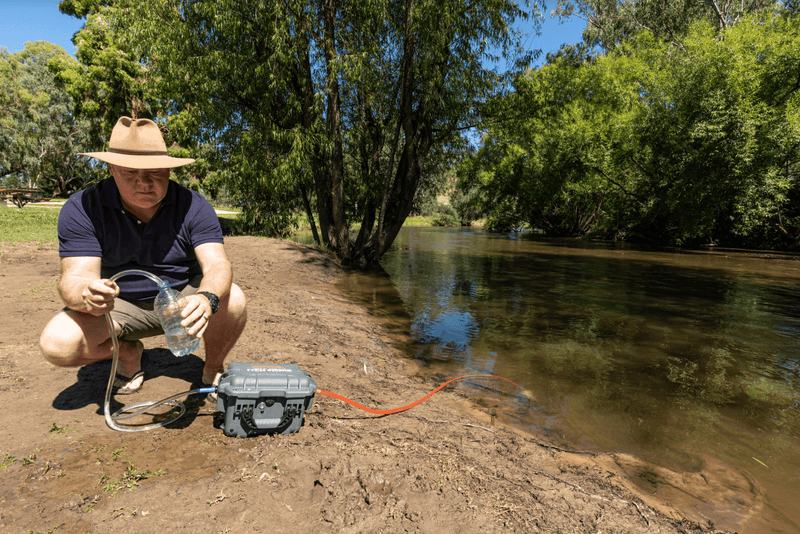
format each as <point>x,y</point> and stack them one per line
<point>196,315</point>
<point>98,296</point>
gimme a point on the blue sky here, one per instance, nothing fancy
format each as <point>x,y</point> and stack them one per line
<point>35,20</point>
<point>39,20</point>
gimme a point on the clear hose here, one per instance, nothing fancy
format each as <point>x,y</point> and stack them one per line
<point>128,412</point>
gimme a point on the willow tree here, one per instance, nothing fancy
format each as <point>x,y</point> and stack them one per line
<point>699,145</point>
<point>347,106</point>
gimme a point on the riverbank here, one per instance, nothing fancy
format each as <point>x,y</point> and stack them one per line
<point>448,465</point>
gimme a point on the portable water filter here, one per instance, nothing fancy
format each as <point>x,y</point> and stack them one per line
<point>260,398</point>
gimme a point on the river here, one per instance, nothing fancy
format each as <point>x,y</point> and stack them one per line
<point>689,360</point>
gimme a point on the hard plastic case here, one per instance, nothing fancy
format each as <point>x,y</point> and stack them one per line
<point>260,398</point>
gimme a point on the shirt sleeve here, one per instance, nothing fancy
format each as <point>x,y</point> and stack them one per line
<point>205,227</point>
<point>76,233</point>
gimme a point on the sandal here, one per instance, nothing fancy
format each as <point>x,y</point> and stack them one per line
<point>126,386</point>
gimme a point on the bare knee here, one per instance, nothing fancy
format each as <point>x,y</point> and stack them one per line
<point>237,302</point>
<point>63,341</point>
<point>57,349</point>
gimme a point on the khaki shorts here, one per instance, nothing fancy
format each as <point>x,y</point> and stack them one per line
<point>138,320</point>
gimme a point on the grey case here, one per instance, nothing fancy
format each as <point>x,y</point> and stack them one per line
<point>260,398</point>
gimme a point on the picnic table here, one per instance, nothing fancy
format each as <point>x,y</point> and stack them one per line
<point>21,195</point>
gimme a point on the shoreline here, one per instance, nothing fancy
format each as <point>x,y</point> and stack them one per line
<point>447,465</point>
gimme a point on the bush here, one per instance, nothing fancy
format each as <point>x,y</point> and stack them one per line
<point>443,215</point>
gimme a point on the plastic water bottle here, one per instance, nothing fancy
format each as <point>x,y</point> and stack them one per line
<point>168,306</point>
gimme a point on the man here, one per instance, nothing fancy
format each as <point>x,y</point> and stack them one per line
<point>139,219</point>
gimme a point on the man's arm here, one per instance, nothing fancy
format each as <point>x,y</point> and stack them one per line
<point>81,287</point>
<point>217,274</point>
<point>217,277</point>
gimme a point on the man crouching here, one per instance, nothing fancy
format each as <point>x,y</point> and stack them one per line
<point>139,219</point>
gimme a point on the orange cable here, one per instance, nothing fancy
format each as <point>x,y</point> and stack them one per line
<point>404,408</point>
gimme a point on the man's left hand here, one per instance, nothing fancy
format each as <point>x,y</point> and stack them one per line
<point>196,315</point>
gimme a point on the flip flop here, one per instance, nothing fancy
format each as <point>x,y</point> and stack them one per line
<point>126,386</point>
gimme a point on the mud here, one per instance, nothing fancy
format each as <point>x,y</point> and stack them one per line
<point>449,465</point>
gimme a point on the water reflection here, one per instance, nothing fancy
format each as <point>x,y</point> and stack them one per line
<point>675,356</point>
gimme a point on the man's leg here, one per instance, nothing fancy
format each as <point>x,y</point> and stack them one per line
<point>224,329</point>
<point>75,339</point>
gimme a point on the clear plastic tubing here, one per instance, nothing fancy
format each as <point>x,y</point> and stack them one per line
<point>128,412</point>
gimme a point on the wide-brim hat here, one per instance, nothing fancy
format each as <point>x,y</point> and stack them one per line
<point>138,144</point>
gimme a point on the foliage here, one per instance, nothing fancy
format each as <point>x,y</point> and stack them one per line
<point>546,161</point>
<point>716,126</point>
<point>39,136</point>
<point>698,144</point>
<point>107,81</point>
<point>345,110</point>
<point>446,218</point>
<point>440,214</point>
<point>465,196</point>
<point>81,8</point>
<point>612,22</point>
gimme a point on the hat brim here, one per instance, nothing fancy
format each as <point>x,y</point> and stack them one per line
<point>139,162</point>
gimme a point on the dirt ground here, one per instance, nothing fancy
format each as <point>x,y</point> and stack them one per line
<point>449,465</point>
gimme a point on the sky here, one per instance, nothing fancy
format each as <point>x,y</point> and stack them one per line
<point>35,20</point>
<point>39,20</point>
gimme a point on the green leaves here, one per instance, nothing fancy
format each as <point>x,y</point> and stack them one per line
<point>351,106</point>
<point>672,145</point>
<point>39,136</point>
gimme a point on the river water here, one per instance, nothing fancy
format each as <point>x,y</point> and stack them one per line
<point>689,360</point>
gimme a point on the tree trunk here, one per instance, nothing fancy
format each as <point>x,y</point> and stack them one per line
<point>331,184</point>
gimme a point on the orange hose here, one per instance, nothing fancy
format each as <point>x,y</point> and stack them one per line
<point>404,408</point>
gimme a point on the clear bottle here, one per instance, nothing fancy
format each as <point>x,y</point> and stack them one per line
<point>168,306</point>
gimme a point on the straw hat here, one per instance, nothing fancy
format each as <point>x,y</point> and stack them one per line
<point>138,144</point>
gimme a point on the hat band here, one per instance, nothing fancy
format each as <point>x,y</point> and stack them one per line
<point>138,152</point>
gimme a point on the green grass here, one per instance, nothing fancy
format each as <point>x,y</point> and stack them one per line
<point>28,224</point>
<point>229,216</point>
<point>39,224</point>
<point>417,221</point>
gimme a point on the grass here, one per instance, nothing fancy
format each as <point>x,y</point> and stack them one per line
<point>39,224</point>
<point>28,224</point>
<point>229,216</point>
<point>417,221</point>
<point>129,479</point>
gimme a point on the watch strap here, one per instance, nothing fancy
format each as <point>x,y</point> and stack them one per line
<point>212,299</point>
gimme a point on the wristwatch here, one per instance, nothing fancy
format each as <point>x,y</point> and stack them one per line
<point>212,299</point>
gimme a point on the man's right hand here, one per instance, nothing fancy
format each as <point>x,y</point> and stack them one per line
<point>98,296</point>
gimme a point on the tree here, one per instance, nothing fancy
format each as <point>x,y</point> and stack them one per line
<point>39,135</point>
<point>698,144</point>
<point>611,22</point>
<point>551,157</point>
<point>108,80</point>
<point>348,107</point>
<point>717,130</point>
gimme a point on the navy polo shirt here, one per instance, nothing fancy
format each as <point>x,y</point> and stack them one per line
<point>94,223</point>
